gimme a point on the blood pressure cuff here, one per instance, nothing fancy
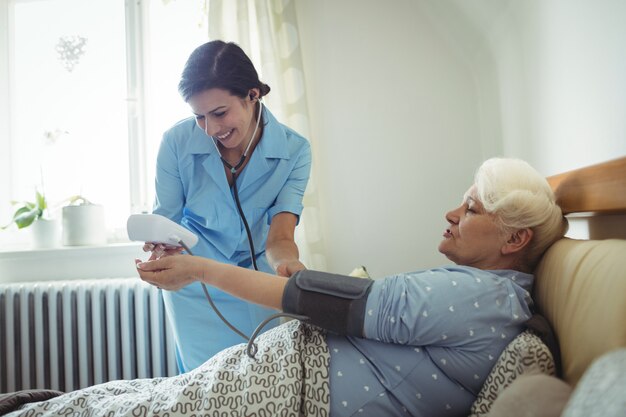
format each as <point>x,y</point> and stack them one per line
<point>333,302</point>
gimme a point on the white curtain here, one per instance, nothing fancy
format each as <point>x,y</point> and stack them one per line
<point>267,31</point>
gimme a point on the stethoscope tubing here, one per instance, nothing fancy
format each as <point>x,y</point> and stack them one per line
<point>251,347</point>
<point>235,174</point>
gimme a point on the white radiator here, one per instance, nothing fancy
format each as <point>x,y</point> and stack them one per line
<point>67,335</point>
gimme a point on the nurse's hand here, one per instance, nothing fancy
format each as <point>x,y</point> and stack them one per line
<point>287,269</point>
<point>170,272</point>
<point>160,250</point>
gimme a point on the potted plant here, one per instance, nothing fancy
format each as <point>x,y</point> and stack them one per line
<point>35,214</point>
<point>28,212</point>
<point>83,223</point>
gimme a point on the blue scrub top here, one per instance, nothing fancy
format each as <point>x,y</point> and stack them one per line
<point>192,190</point>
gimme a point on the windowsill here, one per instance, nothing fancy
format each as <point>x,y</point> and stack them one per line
<point>70,262</point>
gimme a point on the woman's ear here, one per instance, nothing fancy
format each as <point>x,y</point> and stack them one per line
<point>517,241</point>
<point>254,94</point>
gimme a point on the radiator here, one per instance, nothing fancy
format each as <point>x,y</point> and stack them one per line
<point>66,335</point>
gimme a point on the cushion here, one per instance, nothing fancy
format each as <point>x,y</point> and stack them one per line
<point>359,272</point>
<point>525,354</point>
<point>539,325</point>
<point>579,288</point>
<point>601,390</point>
<point>13,400</point>
<point>532,395</point>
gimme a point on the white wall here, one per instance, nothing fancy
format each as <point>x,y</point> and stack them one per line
<point>407,97</point>
<point>395,129</point>
<point>570,69</point>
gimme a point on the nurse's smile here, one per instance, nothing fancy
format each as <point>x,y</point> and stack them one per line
<point>225,135</point>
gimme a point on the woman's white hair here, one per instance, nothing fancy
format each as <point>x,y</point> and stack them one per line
<point>521,198</point>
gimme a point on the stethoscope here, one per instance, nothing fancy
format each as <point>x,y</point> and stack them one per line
<point>251,347</point>
<point>235,174</point>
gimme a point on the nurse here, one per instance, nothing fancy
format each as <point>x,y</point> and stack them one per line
<point>234,176</point>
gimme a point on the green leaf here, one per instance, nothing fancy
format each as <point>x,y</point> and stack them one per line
<point>24,217</point>
<point>78,199</point>
<point>28,211</point>
<point>22,210</point>
<point>41,201</point>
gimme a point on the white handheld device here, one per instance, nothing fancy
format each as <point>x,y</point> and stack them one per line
<point>154,228</point>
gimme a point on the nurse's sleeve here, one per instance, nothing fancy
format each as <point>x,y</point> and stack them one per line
<point>169,198</point>
<point>289,198</point>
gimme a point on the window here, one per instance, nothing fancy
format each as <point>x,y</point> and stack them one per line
<point>88,87</point>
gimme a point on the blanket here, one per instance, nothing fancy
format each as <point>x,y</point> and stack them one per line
<point>288,377</point>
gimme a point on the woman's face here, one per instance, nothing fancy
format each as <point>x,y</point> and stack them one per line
<point>227,118</point>
<point>473,238</point>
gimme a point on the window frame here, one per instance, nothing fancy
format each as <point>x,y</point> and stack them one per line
<point>136,22</point>
<point>5,133</point>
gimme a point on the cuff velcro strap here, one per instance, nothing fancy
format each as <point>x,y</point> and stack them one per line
<point>333,302</point>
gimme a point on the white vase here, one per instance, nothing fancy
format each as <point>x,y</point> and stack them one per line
<point>45,233</point>
<point>83,225</point>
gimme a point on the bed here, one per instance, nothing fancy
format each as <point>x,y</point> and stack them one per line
<point>580,290</point>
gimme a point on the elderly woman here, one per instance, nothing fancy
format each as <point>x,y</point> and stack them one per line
<point>419,343</point>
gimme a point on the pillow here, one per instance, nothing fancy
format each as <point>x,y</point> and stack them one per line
<point>532,395</point>
<point>600,392</point>
<point>525,354</point>
<point>13,400</point>
<point>579,287</point>
<point>359,272</point>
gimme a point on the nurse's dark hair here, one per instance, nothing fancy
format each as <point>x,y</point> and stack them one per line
<point>219,64</point>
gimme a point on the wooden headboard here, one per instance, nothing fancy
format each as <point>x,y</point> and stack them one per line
<point>599,188</point>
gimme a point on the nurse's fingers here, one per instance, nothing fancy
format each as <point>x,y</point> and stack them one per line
<point>156,250</point>
<point>151,265</point>
<point>147,275</point>
<point>171,250</point>
<point>287,269</point>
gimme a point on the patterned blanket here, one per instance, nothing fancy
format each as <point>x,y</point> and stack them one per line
<point>289,377</point>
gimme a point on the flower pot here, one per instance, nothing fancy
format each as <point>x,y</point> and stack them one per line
<point>45,233</point>
<point>83,225</point>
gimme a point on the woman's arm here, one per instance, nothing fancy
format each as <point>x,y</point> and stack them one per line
<point>175,272</point>
<point>281,250</point>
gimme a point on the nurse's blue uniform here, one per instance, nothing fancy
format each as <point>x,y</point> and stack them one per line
<point>192,190</point>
